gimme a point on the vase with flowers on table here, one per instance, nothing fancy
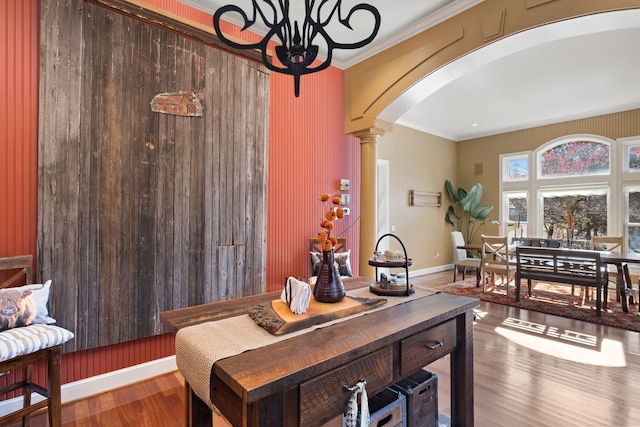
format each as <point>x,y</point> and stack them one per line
<point>328,287</point>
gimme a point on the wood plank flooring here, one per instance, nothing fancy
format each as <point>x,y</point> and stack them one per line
<point>531,369</point>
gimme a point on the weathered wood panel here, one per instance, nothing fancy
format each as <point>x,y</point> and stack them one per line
<point>142,212</point>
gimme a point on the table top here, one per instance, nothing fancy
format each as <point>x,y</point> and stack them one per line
<point>616,258</point>
<point>605,256</point>
<point>180,318</point>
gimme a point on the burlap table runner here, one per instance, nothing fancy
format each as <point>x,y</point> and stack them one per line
<point>198,347</point>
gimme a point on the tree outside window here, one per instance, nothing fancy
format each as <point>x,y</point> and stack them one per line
<point>517,216</point>
<point>575,158</point>
<point>634,158</point>
<point>589,213</point>
<point>634,221</point>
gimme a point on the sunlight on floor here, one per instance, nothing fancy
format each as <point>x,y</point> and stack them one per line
<point>563,343</point>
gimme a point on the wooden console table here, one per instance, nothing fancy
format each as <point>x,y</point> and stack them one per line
<point>299,381</point>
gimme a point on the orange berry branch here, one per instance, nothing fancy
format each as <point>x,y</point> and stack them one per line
<point>333,212</point>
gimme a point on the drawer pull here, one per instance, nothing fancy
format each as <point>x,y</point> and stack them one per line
<point>437,344</point>
<point>352,388</point>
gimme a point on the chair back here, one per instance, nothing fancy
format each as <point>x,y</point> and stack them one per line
<point>21,263</point>
<point>553,243</point>
<point>495,252</point>
<point>457,240</point>
<point>607,243</point>
<point>315,249</point>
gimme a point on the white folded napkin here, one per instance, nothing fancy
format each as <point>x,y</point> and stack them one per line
<point>297,295</point>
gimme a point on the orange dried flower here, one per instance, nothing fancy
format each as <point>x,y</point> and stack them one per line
<point>330,215</point>
<point>327,241</point>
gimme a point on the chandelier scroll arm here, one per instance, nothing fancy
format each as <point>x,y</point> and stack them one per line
<point>346,22</point>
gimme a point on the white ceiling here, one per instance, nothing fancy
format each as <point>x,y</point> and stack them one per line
<point>562,71</point>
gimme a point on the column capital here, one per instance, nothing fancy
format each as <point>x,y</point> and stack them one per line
<point>369,135</point>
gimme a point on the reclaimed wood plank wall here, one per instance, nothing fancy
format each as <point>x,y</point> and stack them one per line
<point>141,212</point>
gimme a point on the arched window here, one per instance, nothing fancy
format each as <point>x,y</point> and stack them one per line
<point>574,158</point>
<point>568,189</point>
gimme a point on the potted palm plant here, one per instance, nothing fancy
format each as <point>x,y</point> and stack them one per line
<point>467,214</point>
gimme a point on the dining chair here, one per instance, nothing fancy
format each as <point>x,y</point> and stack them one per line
<point>460,258</point>
<point>495,260</point>
<point>32,340</point>
<point>609,244</point>
<point>341,256</point>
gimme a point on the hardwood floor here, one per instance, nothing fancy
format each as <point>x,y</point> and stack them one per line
<point>531,369</point>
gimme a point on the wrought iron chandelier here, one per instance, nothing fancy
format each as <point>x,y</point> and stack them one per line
<point>296,50</point>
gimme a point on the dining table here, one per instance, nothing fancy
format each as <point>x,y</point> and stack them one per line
<point>620,260</point>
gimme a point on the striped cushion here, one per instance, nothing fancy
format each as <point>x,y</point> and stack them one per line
<point>29,339</point>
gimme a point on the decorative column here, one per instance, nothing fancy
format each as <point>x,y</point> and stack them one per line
<point>368,197</point>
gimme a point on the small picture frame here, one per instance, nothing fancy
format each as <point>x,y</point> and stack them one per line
<point>344,185</point>
<point>345,199</point>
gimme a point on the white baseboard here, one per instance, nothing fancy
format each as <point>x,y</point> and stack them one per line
<point>100,383</point>
<point>430,270</point>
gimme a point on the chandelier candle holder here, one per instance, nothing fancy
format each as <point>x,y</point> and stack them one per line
<point>297,47</point>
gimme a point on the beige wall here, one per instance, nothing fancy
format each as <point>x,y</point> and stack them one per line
<point>419,161</point>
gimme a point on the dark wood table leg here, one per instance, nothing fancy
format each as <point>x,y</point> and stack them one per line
<point>621,286</point>
<point>462,374</point>
<point>628,286</point>
<point>197,413</point>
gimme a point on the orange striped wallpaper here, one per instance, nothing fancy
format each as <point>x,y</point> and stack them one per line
<point>308,155</point>
<point>18,125</point>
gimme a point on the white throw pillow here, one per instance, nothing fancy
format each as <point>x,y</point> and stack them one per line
<point>25,305</point>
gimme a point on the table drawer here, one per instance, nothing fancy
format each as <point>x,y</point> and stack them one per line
<point>324,397</point>
<point>425,347</point>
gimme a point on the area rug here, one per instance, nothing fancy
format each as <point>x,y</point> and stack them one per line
<point>553,299</point>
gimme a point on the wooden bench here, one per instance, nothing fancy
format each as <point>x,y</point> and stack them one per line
<point>573,267</point>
